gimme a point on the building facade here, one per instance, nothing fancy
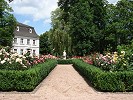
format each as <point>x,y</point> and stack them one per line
<point>25,40</point>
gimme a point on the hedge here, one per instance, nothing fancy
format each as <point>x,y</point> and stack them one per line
<point>63,61</point>
<point>27,80</point>
<point>105,81</point>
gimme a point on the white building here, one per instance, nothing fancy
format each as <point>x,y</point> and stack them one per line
<point>25,39</point>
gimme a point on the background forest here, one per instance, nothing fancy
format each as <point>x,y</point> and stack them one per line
<point>82,27</point>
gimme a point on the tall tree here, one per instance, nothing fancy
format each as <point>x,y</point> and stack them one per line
<point>7,24</point>
<point>119,24</point>
<point>45,45</point>
<point>86,21</point>
<point>60,38</point>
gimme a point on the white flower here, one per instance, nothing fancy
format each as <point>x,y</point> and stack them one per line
<point>124,64</point>
<point>13,56</point>
<point>19,60</point>
<point>3,61</point>
<point>0,53</point>
<point>20,56</point>
<point>102,64</point>
<point>6,59</point>
<point>3,50</point>
<point>25,66</point>
<point>7,53</point>
<point>24,57</point>
<point>123,52</point>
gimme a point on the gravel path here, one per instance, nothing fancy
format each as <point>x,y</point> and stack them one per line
<point>64,83</point>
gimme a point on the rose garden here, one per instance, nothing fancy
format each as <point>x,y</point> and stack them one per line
<point>97,40</point>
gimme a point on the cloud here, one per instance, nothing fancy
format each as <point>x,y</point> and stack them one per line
<point>26,22</point>
<point>113,1</point>
<point>47,20</point>
<point>36,9</point>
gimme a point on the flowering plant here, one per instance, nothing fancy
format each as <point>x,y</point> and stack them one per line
<point>86,59</point>
<point>43,58</point>
<point>105,62</point>
<point>12,60</point>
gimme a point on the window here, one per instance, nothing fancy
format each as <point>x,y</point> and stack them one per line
<point>30,30</point>
<point>15,40</point>
<point>28,41</point>
<point>17,28</point>
<point>21,51</point>
<point>34,42</point>
<point>34,52</point>
<point>15,50</point>
<point>21,41</point>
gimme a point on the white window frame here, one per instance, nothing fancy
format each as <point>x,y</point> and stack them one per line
<point>17,28</point>
<point>30,30</point>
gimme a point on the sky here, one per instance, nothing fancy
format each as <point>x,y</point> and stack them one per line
<point>36,14</point>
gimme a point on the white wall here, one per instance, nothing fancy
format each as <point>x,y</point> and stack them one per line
<point>26,46</point>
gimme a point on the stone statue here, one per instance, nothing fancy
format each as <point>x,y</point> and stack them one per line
<point>64,54</point>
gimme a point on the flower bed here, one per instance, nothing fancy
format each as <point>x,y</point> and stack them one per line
<point>23,72</point>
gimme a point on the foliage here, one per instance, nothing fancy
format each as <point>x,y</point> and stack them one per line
<point>128,57</point>
<point>7,24</point>
<point>105,81</point>
<point>62,61</point>
<point>117,61</point>
<point>119,22</point>
<point>86,22</point>
<point>12,61</point>
<point>25,80</point>
<point>45,45</point>
<point>59,37</point>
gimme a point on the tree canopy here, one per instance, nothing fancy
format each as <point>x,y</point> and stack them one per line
<point>7,24</point>
<point>92,26</point>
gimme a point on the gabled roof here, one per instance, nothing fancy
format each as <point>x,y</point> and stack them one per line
<point>24,30</point>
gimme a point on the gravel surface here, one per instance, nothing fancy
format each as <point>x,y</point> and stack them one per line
<point>64,83</point>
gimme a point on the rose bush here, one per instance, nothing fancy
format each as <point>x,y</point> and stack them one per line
<point>117,61</point>
<point>14,61</point>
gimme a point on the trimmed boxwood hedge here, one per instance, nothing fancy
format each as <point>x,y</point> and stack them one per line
<point>27,80</point>
<point>105,81</point>
<point>63,61</point>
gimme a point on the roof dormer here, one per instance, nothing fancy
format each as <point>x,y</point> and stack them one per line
<point>30,30</point>
<point>17,28</point>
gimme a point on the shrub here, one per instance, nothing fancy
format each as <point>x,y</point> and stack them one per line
<point>105,81</point>
<point>25,80</point>
<point>62,61</point>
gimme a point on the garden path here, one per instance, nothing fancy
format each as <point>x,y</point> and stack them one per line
<point>64,83</point>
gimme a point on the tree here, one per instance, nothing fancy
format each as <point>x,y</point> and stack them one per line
<point>119,24</point>
<point>45,45</point>
<point>7,24</point>
<point>60,38</point>
<point>86,21</point>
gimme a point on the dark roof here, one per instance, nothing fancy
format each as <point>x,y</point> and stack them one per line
<point>24,31</point>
